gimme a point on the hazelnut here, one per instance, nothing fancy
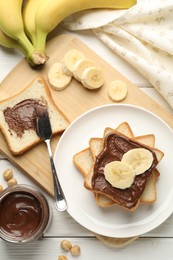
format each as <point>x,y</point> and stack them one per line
<point>66,245</point>
<point>75,250</point>
<point>62,257</point>
<point>1,188</point>
<point>7,174</point>
<point>12,182</point>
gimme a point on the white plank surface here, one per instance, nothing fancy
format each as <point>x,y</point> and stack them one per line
<point>91,249</point>
<point>157,243</point>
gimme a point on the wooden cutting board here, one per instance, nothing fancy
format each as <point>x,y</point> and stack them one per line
<point>73,101</point>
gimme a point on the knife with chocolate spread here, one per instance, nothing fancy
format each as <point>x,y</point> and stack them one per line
<point>114,147</point>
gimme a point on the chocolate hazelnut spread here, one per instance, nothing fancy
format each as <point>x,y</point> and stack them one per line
<point>22,116</point>
<point>114,147</point>
<point>20,214</point>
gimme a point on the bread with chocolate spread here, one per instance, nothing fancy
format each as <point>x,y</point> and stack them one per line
<point>84,161</point>
<point>95,181</point>
<point>18,116</point>
<point>149,195</point>
<point>96,145</point>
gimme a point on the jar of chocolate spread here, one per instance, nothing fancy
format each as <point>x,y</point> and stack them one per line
<point>24,214</point>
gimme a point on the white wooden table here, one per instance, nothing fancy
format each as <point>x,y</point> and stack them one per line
<point>157,244</point>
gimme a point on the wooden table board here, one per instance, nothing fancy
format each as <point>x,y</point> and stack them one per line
<point>73,101</point>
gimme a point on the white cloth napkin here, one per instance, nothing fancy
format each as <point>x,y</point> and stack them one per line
<point>142,35</point>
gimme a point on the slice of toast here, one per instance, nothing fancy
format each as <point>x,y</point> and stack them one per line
<point>149,196</point>
<point>123,128</point>
<point>18,118</point>
<point>88,179</point>
<point>83,161</point>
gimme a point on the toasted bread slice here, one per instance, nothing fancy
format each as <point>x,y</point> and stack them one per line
<point>148,140</point>
<point>17,109</point>
<point>123,128</point>
<point>149,196</point>
<point>83,161</point>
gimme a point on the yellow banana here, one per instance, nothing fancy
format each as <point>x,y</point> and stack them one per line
<point>11,43</point>
<point>8,42</point>
<point>52,12</point>
<point>11,23</point>
<point>29,11</point>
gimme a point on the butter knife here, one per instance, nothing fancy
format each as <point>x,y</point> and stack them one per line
<point>44,131</point>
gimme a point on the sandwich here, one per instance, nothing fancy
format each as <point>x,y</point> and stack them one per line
<point>18,116</point>
<point>143,188</point>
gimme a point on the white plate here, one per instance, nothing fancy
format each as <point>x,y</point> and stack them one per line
<point>114,221</point>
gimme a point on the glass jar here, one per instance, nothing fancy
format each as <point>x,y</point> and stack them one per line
<point>24,213</point>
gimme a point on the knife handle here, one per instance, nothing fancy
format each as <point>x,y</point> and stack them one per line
<point>60,201</point>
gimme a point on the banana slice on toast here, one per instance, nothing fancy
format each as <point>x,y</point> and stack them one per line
<point>119,174</point>
<point>140,160</point>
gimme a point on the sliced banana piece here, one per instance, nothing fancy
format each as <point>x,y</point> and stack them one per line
<point>92,78</point>
<point>57,78</point>
<point>80,66</point>
<point>117,90</point>
<point>120,175</point>
<point>140,159</point>
<point>70,58</point>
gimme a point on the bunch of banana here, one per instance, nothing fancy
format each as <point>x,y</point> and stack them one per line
<point>12,34</point>
<point>30,25</point>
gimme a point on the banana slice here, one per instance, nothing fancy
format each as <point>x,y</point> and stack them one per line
<point>80,66</point>
<point>117,90</point>
<point>57,78</point>
<point>140,159</point>
<point>120,175</point>
<point>70,58</point>
<point>92,78</point>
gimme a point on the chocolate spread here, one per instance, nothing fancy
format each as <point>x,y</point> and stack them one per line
<point>22,116</point>
<point>114,147</point>
<point>20,214</point>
